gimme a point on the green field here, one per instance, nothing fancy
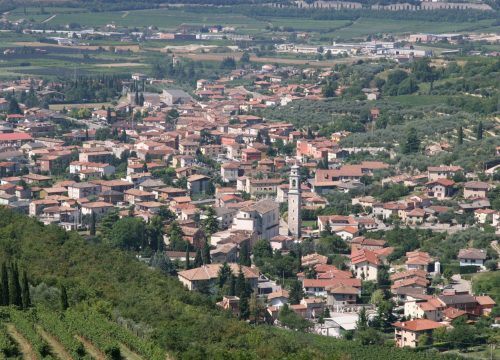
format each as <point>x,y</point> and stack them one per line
<point>308,24</point>
<point>170,19</point>
<point>162,18</point>
<point>418,100</point>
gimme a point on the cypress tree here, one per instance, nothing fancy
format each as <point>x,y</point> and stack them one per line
<point>244,258</point>
<point>240,285</point>
<point>412,143</point>
<point>4,300</point>
<point>244,308</point>
<point>480,131</point>
<point>108,115</point>
<point>26,291</point>
<point>64,298</point>
<point>460,135</point>
<point>188,265</point>
<point>15,287</point>
<point>198,260</point>
<point>296,292</point>
<point>232,285</point>
<point>92,224</point>
<point>206,253</point>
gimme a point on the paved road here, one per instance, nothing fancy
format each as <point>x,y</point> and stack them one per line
<point>460,284</point>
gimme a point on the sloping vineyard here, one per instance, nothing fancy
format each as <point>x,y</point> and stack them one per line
<point>24,334</point>
<point>8,348</point>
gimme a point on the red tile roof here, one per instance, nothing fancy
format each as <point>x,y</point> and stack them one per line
<point>418,325</point>
<point>15,137</point>
<point>364,255</point>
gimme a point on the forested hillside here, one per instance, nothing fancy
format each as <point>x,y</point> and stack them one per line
<point>107,286</point>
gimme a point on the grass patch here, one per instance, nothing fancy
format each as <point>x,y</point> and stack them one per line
<point>418,100</point>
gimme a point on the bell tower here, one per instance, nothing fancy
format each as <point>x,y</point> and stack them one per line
<point>294,203</point>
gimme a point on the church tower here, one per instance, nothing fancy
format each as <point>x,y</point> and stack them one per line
<point>294,203</point>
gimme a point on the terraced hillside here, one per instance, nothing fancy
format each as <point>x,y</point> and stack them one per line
<point>71,334</point>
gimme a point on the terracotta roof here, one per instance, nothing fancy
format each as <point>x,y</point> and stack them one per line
<point>409,274</point>
<point>427,306</point>
<point>323,268</point>
<point>326,283</point>
<point>137,192</point>
<point>485,300</point>
<point>349,229</point>
<point>278,294</point>
<point>364,255</point>
<point>15,137</point>
<point>412,282</point>
<point>361,240</point>
<point>335,274</point>
<point>416,213</point>
<point>384,252</point>
<point>211,271</point>
<point>417,258</point>
<point>97,204</point>
<point>453,313</point>
<point>343,289</point>
<point>443,182</point>
<point>418,325</point>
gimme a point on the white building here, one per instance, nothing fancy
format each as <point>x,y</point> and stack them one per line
<point>472,257</point>
<point>337,325</point>
<point>261,218</point>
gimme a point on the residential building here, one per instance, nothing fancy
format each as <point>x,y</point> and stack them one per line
<point>475,189</point>
<point>207,275</point>
<point>442,172</point>
<point>407,333</point>
<point>83,190</point>
<point>472,257</point>
<point>365,264</point>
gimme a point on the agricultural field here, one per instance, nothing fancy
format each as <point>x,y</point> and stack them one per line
<point>41,59</point>
<point>161,18</point>
<point>39,333</point>
<point>97,56</point>
<point>171,18</point>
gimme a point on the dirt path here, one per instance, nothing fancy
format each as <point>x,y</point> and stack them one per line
<point>58,349</point>
<point>133,48</point>
<point>118,65</point>
<point>48,19</point>
<point>129,354</point>
<point>91,349</point>
<point>24,345</point>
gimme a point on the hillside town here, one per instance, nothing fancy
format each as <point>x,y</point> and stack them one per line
<point>322,239</point>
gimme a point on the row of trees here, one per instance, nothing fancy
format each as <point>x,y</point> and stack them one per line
<point>14,290</point>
